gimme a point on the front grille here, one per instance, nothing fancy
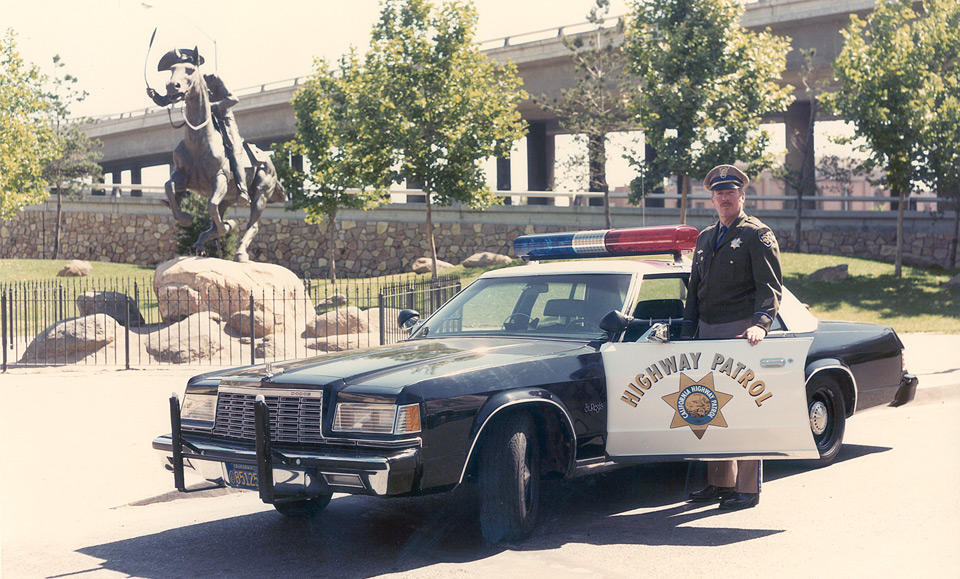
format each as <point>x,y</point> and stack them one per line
<point>294,419</point>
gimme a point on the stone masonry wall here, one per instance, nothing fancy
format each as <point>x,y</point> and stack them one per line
<point>388,241</point>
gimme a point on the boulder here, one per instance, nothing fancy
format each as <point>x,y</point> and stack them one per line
<point>834,273</point>
<point>69,341</point>
<point>118,306</point>
<point>349,320</point>
<point>332,301</point>
<point>207,339</point>
<point>187,285</point>
<point>76,268</point>
<point>955,282</point>
<point>425,265</point>
<point>485,258</point>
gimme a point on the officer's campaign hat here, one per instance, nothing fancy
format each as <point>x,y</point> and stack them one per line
<point>724,177</point>
<point>178,55</point>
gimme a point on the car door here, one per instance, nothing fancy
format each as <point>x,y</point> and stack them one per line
<point>702,399</point>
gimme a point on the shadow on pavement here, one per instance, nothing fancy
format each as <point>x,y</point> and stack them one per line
<point>360,536</point>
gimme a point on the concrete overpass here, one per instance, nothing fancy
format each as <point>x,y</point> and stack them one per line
<point>145,138</point>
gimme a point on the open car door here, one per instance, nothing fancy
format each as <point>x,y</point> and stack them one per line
<point>703,399</point>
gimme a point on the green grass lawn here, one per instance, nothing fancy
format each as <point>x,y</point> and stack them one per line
<point>916,302</point>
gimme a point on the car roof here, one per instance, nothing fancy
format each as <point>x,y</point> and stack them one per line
<point>641,267</point>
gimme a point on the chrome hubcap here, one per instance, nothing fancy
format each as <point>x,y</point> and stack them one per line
<point>818,417</point>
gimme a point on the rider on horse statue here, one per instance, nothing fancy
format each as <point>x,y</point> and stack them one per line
<point>221,102</point>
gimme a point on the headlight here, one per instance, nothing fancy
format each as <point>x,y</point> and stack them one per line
<point>198,408</point>
<point>377,418</point>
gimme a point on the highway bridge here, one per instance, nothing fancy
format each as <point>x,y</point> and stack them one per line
<point>136,140</point>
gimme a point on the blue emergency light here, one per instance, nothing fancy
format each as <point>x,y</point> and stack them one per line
<point>672,239</point>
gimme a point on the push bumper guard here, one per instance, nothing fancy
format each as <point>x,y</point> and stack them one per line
<point>286,475</point>
<point>907,390</point>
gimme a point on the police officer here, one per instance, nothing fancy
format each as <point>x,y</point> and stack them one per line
<point>734,292</point>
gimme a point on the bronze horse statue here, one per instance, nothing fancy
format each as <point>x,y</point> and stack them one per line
<point>201,164</point>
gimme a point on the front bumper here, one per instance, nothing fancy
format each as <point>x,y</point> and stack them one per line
<point>907,390</point>
<point>285,474</point>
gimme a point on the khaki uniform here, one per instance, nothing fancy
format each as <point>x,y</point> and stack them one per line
<point>732,287</point>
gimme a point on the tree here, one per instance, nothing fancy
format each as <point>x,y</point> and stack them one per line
<point>26,141</point>
<point>939,43</point>
<point>75,160</point>
<point>335,172</point>
<point>442,106</point>
<point>595,106</point>
<point>882,93</point>
<point>706,84</point>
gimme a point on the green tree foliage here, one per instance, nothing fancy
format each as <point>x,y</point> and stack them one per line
<point>706,84</point>
<point>75,161</point>
<point>26,140</point>
<point>595,106</point>
<point>442,106</point>
<point>333,171</point>
<point>894,75</point>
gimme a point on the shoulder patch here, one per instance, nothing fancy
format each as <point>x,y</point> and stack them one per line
<point>768,239</point>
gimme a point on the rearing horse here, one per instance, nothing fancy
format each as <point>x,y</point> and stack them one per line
<point>201,165</point>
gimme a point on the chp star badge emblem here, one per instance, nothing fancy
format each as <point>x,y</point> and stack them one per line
<point>697,404</point>
<point>736,243</point>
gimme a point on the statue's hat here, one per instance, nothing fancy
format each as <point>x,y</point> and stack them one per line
<point>178,55</point>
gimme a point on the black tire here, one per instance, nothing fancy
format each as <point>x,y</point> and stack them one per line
<point>303,508</point>
<point>827,412</point>
<point>509,479</point>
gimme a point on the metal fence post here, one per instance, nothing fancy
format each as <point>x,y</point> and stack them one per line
<point>3,325</point>
<point>383,316</point>
<point>126,332</point>
<point>253,348</point>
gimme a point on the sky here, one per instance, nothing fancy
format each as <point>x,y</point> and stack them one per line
<point>104,42</point>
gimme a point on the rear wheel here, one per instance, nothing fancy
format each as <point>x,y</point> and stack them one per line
<point>303,508</point>
<point>827,412</point>
<point>509,479</point>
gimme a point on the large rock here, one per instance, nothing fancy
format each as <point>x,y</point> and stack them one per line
<point>76,268</point>
<point>425,265</point>
<point>834,273</point>
<point>207,339</point>
<point>115,304</point>
<point>955,282</point>
<point>188,285</point>
<point>485,258</point>
<point>69,341</point>
<point>349,320</point>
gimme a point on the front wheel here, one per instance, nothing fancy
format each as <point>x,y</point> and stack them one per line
<point>509,479</point>
<point>827,412</point>
<point>303,508</point>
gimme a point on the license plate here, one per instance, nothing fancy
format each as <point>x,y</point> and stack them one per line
<point>242,476</point>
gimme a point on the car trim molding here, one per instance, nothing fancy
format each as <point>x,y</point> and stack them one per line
<point>833,365</point>
<point>531,397</point>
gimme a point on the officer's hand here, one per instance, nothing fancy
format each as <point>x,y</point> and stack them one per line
<point>754,334</point>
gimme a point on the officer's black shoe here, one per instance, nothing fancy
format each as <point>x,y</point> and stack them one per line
<point>711,494</point>
<point>738,501</point>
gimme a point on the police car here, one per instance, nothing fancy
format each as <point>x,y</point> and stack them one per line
<point>553,368</point>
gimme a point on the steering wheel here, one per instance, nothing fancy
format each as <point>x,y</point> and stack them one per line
<point>577,323</point>
<point>515,319</point>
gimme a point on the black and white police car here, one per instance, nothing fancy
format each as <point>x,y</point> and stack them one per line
<point>553,369</point>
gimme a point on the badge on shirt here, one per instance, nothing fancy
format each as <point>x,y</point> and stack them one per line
<point>736,243</point>
<point>768,239</point>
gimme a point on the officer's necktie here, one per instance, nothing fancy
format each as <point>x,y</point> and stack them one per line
<point>723,231</point>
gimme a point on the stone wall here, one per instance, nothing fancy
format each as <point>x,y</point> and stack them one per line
<point>390,239</point>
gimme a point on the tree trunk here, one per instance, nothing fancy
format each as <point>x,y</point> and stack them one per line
<point>898,265</point>
<point>956,230</point>
<point>333,249</point>
<point>56,238</point>
<point>433,245</point>
<point>683,182</point>
<point>597,153</point>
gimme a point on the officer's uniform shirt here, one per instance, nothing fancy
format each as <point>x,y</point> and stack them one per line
<point>740,279</point>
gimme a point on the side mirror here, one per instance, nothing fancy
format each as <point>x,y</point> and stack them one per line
<point>614,322</point>
<point>407,319</point>
<point>658,333</point>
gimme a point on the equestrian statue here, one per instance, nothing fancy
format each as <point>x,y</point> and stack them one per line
<point>212,160</point>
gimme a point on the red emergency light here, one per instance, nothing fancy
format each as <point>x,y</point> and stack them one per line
<point>671,239</point>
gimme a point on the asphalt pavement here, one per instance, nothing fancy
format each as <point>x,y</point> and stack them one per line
<point>934,360</point>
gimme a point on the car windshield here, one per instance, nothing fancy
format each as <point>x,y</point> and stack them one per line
<point>550,306</point>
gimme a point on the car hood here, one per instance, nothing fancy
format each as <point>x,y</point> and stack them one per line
<point>400,364</point>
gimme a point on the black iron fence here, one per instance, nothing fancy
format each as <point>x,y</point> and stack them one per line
<point>124,322</point>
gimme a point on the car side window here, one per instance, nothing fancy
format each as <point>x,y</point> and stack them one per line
<point>661,299</point>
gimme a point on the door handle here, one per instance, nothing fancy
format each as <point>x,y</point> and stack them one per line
<point>773,362</point>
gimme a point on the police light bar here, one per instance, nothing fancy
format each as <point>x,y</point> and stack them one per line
<point>673,239</point>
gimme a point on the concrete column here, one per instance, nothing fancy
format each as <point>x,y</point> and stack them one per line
<point>800,133</point>
<point>596,150</point>
<point>504,182</point>
<point>136,178</point>
<point>541,153</point>
<point>117,177</point>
